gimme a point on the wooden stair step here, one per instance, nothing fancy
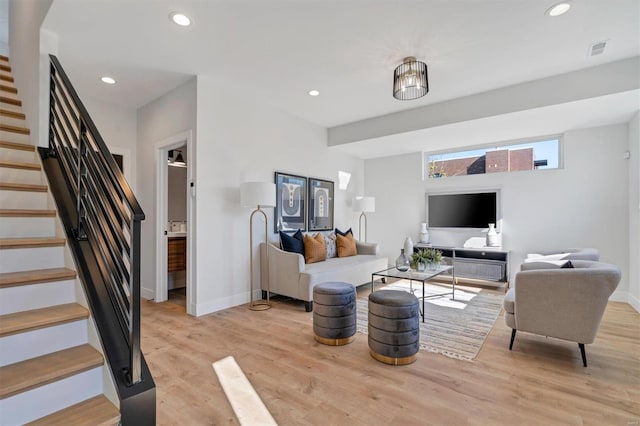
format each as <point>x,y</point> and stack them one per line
<point>6,78</point>
<point>15,129</point>
<point>11,114</point>
<point>19,165</point>
<point>10,101</point>
<point>20,322</point>
<point>17,145</point>
<point>37,276</point>
<point>16,243</point>
<point>4,58</point>
<point>8,89</point>
<point>94,411</point>
<point>27,213</point>
<point>26,187</point>
<point>4,67</point>
<point>32,373</point>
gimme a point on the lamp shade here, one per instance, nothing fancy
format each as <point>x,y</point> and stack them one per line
<point>410,80</point>
<point>261,194</point>
<point>364,204</point>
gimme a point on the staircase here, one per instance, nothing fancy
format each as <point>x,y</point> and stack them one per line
<point>52,367</point>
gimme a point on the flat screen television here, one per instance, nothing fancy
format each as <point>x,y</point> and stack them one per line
<point>462,210</point>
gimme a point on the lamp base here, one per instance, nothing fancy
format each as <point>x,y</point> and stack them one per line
<point>259,305</point>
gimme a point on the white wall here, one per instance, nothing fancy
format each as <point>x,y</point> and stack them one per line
<point>238,141</point>
<point>118,127</point>
<point>585,204</point>
<point>172,113</point>
<point>28,64</point>
<point>634,212</point>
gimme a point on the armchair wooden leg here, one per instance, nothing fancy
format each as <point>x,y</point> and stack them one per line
<point>513,337</point>
<point>584,355</point>
<point>308,306</point>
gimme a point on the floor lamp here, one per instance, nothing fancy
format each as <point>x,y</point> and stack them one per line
<point>364,205</point>
<point>260,194</point>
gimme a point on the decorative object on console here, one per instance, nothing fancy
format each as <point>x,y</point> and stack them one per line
<point>402,262</point>
<point>290,206</point>
<point>408,246</point>
<point>320,205</point>
<point>364,205</point>
<point>410,80</point>
<point>492,236</point>
<point>260,194</point>
<point>424,233</point>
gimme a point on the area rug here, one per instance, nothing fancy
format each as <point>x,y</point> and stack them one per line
<point>454,328</point>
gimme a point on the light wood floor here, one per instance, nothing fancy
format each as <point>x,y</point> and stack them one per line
<point>540,382</point>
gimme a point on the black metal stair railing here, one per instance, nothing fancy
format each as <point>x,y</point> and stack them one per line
<point>107,213</point>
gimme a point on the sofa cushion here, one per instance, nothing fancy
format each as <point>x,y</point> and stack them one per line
<point>346,245</point>
<point>292,243</point>
<point>344,234</point>
<point>330,242</point>
<point>315,249</point>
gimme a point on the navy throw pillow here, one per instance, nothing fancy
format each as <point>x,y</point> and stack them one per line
<point>567,265</point>
<point>292,243</point>
<point>344,234</point>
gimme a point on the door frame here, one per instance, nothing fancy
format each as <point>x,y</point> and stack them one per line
<point>161,149</point>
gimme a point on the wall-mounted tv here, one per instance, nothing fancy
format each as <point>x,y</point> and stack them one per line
<point>462,210</point>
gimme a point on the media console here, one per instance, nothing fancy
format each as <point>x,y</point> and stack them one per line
<point>486,264</point>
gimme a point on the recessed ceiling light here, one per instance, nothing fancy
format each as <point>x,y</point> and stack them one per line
<point>558,9</point>
<point>180,19</point>
<point>313,93</point>
<point>108,80</point>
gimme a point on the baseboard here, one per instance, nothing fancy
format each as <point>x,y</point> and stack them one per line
<point>222,303</point>
<point>634,302</point>
<point>619,296</point>
<point>145,293</point>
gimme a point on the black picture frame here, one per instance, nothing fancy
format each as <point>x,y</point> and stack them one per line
<point>291,201</point>
<point>320,204</point>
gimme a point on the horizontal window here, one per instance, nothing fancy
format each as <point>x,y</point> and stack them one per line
<point>532,155</point>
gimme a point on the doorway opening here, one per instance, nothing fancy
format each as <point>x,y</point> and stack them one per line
<point>174,225</point>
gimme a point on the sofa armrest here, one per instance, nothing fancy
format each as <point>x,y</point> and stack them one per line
<point>366,248</point>
<point>283,272</point>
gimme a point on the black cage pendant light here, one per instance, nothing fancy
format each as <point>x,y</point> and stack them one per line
<point>410,80</point>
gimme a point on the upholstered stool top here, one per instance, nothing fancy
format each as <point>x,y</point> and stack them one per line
<point>393,298</point>
<point>335,287</point>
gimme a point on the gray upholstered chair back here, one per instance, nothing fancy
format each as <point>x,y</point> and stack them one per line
<point>575,253</point>
<point>564,303</point>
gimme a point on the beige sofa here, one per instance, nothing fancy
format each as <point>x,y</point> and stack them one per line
<point>288,275</point>
<point>566,304</point>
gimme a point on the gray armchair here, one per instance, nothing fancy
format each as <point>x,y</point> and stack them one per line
<point>574,253</point>
<point>565,303</point>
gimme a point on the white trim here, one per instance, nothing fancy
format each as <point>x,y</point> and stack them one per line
<point>634,302</point>
<point>221,303</point>
<point>619,296</point>
<point>147,294</point>
<point>161,149</point>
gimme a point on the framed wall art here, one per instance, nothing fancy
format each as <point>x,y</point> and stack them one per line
<point>291,198</point>
<point>320,205</point>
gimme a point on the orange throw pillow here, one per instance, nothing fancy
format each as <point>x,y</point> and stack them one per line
<point>346,245</point>
<point>315,249</point>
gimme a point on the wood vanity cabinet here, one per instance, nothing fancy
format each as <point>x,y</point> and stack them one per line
<point>177,254</point>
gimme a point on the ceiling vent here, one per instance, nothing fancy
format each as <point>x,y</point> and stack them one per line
<point>597,48</point>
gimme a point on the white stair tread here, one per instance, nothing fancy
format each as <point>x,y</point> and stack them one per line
<point>32,373</point>
<point>40,318</point>
<point>94,411</point>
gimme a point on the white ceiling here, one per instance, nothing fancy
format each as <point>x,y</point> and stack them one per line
<point>277,50</point>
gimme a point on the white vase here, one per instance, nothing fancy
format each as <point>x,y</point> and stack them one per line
<point>492,236</point>
<point>408,247</point>
<point>424,233</point>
